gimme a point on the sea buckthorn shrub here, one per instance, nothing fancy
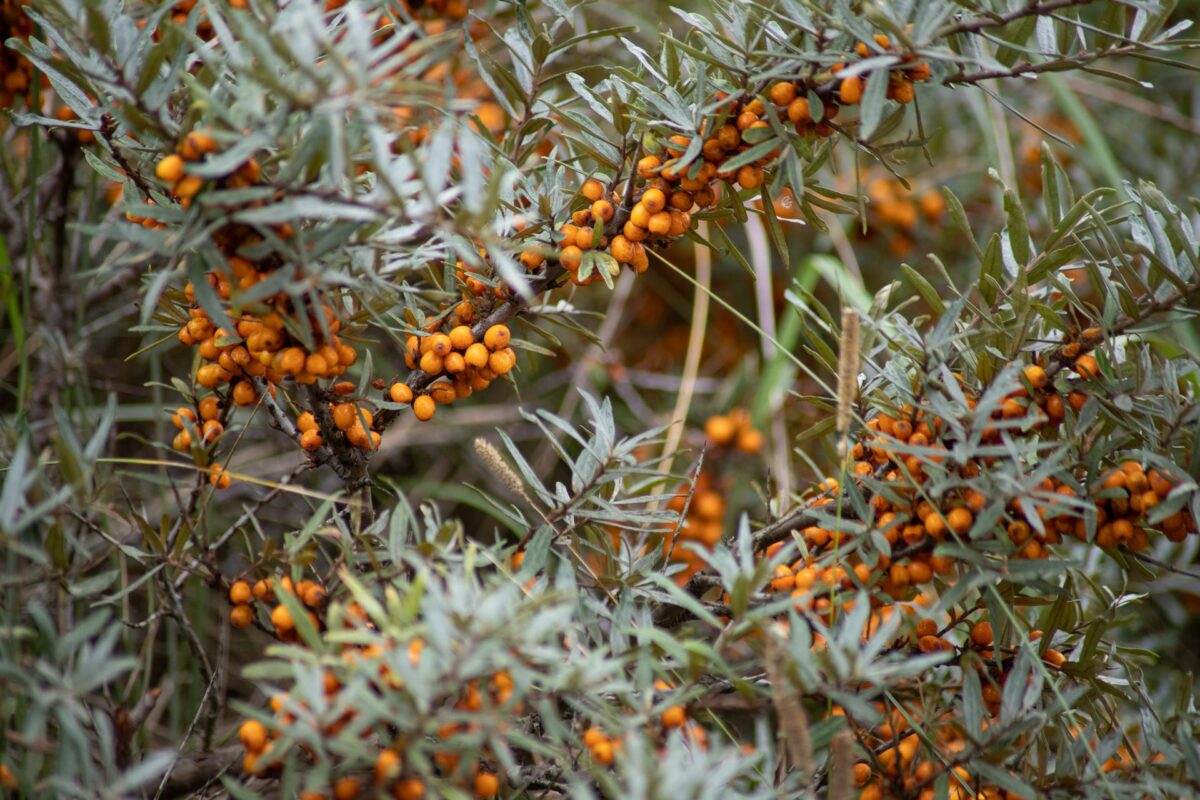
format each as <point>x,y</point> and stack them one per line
<point>482,399</point>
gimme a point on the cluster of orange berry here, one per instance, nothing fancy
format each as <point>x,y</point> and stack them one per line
<point>209,427</point>
<point>604,748</point>
<point>662,210</point>
<point>353,420</point>
<point>901,81</point>
<point>16,69</point>
<point>459,364</point>
<point>733,430</point>
<point>903,772</point>
<point>471,93</point>
<point>261,344</point>
<point>703,525</point>
<point>895,210</point>
<point>172,169</point>
<point>900,448</point>
<point>242,595</point>
<point>388,771</point>
<point>1124,498</point>
<point>704,520</point>
<point>898,771</point>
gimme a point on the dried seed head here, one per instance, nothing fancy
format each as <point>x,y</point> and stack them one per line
<point>495,462</point>
<point>847,376</point>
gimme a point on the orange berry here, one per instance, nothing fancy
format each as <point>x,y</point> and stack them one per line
<point>477,355</point>
<point>960,520</point>
<point>659,224</point>
<point>654,200</point>
<point>218,477</point>
<point>344,415</point>
<point>592,189</point>
<point>1036,376</point>
<point>400,393</point>
<point>169,169</point>
<point>387,765</point>
<point>183,415</point>
<point>281,618</point>
<point>981,633</point>
<point>241,616</point>
<point>782,93</point>
<point>674,717</point>
<point>424,407</point>
<point>253,735</point>
<point>461,337</point>
<point>240,593</point>
<point>212,430</point>
<point>571,258</point>
<point>497,337</point>
<point>311,440</point>
<point>750,441</point>
<point>486,785</point>
<point>244,394</point>
<point>1087,366</point>
<point>720,430</point>
<point>408,789</point>
<point>603,211</point>
<point>851,90</point>
<point>210,408</point>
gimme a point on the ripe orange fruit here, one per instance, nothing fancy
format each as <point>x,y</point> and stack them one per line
<point>424,407</point>
<point>344,415</point>
<point>212,430</point>
<point>782,93</point>
<point>654,200</point>
<point>659,224</point>
<point>461,337</point>
<point>720,430</point>
<point>408,789</point>
<point>400,393</point>
<point>674,717</point>
<point>241,616</point>
<point>281,618</point>
<point>240,593</point>
<point>960,520</point>
<point>311,440</point>
<point>603,211</point>
<point>244,394</point>
<point>182,416</point>
<point>571,258</point>
<point>1087,366</point>
<point>592,189</point>
<point>210,408</point>
<point>497,337</point>
<point>219,478</point>
<point>253,735</point>
<point>387,765</point>
<point>851,90</point>
<point>170,168</point>
<point>347,788</point>
<point>486,785</point>
<point>750,441</point>
<point>981,633</point>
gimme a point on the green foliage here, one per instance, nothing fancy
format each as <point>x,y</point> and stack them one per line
<point>506,581</point>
